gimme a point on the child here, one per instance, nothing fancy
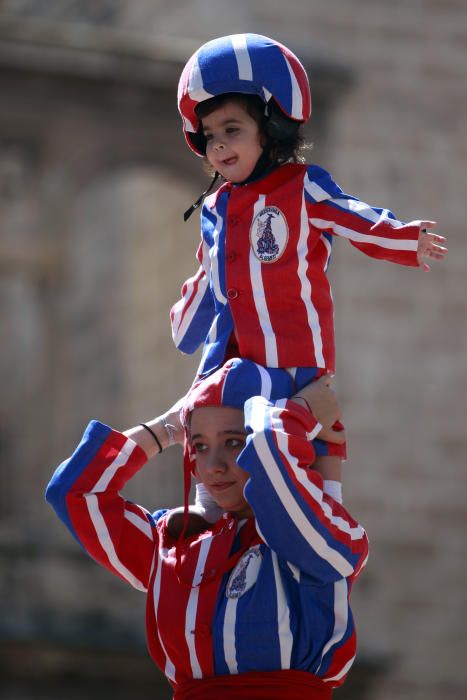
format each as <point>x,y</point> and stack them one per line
<point>261,291</point>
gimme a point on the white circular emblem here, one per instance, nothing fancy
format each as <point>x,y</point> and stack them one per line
<point>269,234</point>
<point>245,574</point>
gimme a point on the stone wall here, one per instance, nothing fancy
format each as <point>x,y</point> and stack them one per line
<point>399,140</point>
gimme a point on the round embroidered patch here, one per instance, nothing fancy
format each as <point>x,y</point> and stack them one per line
<point>245,573</point>
<point>269,234</point>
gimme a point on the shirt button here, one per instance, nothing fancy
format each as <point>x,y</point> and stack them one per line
<point>209,574</point>
<point>232,293</point>
<point>231,256</point>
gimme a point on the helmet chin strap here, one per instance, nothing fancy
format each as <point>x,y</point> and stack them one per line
<point>199,201</point>
<point>263,167</point>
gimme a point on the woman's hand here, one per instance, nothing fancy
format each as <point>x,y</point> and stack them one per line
<point>161,432</point>
<point>172,424</point>
<point>321,400</point>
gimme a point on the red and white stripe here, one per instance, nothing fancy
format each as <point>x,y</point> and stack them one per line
<point>259,299</point>
<point>185,310</point>
<point>306,289</point>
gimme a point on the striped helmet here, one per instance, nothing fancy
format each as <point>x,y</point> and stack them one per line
<point>232,385</point>
<point>247,63</point>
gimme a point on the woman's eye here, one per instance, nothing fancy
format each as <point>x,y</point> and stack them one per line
<point>199,447</point>
<point>234,443</point>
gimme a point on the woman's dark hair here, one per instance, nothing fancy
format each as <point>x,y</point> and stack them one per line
<point>287,147</point>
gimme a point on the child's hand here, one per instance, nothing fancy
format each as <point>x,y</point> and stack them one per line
<point>321,401</point>
<point>430,246</point>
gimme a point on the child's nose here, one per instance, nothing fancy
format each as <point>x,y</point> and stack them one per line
<point>219,144</point>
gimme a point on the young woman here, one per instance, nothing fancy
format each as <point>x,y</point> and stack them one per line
<point>255,605</point>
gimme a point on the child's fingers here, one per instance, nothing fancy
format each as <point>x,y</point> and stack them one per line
<point>438,254</point>
<point>428,224</point>
<point>430,239</point>
<point>435,252</point>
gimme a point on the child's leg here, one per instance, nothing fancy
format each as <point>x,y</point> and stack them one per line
<point>329,456</point>
<point>330,469</point>
<point>328,462</point>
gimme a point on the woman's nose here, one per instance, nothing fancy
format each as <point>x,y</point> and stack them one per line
<point>216,461</point>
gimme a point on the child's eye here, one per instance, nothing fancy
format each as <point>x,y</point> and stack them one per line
<point>231,129</point>
<point>208,137</point>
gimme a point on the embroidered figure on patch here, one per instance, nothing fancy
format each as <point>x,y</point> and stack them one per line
<point>245,574</point>
<point>266,242</point>
<point>269,234</point>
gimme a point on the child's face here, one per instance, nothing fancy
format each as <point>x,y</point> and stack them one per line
<point>233,141</point>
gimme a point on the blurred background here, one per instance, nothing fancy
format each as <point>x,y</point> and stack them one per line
<point>94,179</point>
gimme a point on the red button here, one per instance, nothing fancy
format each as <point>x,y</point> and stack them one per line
<point>231,256</point>
<point>232,293</point>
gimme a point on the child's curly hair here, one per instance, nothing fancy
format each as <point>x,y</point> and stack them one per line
<point>279,151</point>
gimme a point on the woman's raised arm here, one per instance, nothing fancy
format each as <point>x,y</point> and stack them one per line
<point>85,493</point>
<point>294,516</point>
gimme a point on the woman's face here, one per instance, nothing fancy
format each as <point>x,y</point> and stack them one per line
<point>217,437</point>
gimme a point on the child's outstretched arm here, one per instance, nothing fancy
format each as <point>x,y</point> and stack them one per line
<point>375,231</point>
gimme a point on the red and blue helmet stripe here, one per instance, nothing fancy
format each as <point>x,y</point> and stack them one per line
<point>235,382</point>
<point>232,385</point>
<point>246,63</point>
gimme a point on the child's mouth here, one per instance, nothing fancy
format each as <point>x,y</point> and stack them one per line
<point>230,161</point>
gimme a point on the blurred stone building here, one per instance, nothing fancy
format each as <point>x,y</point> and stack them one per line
<point>94,178</point>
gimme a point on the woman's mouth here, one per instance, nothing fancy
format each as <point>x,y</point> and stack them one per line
<point>221,486</point>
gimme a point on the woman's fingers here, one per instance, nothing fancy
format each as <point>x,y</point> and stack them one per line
<point>335,436</point>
